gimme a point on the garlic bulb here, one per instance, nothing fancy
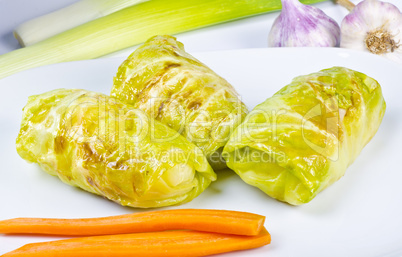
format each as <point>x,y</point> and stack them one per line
<point>303,25</point>
<point>374,26</point>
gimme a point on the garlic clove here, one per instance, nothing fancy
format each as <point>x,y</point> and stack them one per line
<point>374,26</point>
<point>301,25</point>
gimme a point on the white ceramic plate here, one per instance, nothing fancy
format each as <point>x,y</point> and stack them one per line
<point>360,215</point>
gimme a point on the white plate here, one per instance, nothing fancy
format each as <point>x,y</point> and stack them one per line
<point>360,215</point>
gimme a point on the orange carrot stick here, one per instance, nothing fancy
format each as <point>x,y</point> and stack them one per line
<point>218,221</point>
<point>153,244</point>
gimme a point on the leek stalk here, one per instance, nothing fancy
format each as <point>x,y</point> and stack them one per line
<point>131,26</point>
<point>81,12</point>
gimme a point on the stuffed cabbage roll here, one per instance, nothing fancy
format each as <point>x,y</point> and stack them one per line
<point>173,87</point>
<point>101,145</point>
<point>302,139</point>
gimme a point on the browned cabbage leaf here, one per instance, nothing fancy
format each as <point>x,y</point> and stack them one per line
<point>303,138</point>
<point>173,87</point>
<point>101,145</point>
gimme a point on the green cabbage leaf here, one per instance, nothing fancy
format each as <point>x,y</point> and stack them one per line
<point>302,139</point>
<point>105,147</point>
<point>173,87</point>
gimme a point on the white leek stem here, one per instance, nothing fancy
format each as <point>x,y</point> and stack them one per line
<point>81,12</point>
<point>131,26</point>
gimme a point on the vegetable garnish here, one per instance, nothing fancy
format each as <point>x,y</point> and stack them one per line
<point>131,26</point>
<point>373,26</point>
<point>154,244</point>
<point>218,221</point>
<point>301,25</point>
<point>78,13</point>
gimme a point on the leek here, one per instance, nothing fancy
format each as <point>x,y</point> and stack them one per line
<point>81,12</point>
<point>131,26</point>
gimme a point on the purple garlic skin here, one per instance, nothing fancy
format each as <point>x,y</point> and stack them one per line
<point>300,25</point>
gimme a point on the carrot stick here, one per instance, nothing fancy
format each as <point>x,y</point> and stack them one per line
<point>218,221</point>
<point>153,244</point>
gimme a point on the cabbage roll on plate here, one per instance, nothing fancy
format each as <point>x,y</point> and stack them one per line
<point>103,146</point>
<point>303,138</point>
<point>173,87</point>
